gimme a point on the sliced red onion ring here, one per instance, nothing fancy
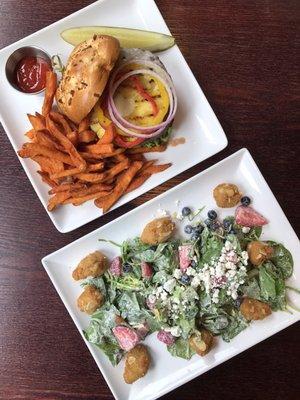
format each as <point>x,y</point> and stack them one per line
<point>123,124</point>
<point>116,112</point>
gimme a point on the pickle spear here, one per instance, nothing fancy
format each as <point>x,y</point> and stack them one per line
<point>128,38</point>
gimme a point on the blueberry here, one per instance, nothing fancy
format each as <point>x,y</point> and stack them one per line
<point>195,235</point>
<point>212,214</point>
<point>215,225</point>
<point>186,211</point>
<point>207,222</point>
<point>232,231</point>
<point>245,200</point>
<point>185,279</point>
<point>188,229</point>
<point>193,264</point>
<point>227,224</point>
<point>199,228</point>
<point>127,267</point>
<point>153,248</point>
<point>238,302</point>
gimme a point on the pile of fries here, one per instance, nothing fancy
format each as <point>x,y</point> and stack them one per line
<point>77,165</point>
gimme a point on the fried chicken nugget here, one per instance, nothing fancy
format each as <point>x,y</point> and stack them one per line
<point>158,231</point>
<point>90,299</point>
<point>137,363</point>
<point>259,252</point>
<point>201,343</point>
<point>94,264</point>
<point>253,309</point>
<point>227,195</point>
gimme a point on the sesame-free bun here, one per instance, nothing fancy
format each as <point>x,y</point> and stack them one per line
<point>86,75</point>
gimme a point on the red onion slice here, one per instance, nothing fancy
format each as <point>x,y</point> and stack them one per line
<point>123,124</point>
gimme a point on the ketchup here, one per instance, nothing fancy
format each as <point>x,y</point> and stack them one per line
<point>31,74</point>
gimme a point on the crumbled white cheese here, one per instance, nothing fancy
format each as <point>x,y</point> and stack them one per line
<point>174,330</point>
<point>170,285</point>
<point>246,229</point>
<point>191,271</point>
<point>177,273</point>
<point>195,282</point>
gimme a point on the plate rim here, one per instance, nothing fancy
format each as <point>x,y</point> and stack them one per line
<point>240,154</point>
<point>62,227</point>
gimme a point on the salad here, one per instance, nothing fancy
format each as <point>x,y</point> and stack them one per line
<point>188,290</point>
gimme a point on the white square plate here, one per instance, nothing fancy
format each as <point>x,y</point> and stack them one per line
<point>195,120</point>
<point>168,372</point>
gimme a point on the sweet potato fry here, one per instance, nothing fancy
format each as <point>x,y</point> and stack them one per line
<point>120,157</point>
<point>51,84</point>
<point>67,186</point>
<point>86,136</point>
<point>99,148</point>
<point>77,201</point>
<point>65,142</point>
<point>91,177</point>
<point>116,169</point>
<point>73,137</point>
<point>47,180</point>
<point>146,164</point>
<point>141,150</point>
<point>84,124</point>
<point>94,188</point>
<point>137,157</point>
<point>60,119</point>
<point>65,173</point>
<point>91,156</point>
<point>36,122</point>
<point>31,134</point>
<point>137,182</point>
<point>95,167</point>
<point>108,136</point>
<point>154,169</point>
<point>49,165</point>
<point>57,199</point>
<point>42,137</point>
<point>123,182</point>
<point>35,149</point>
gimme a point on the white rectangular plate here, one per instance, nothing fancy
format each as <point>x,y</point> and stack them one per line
<point>168,372</point>
<point>195,120</point>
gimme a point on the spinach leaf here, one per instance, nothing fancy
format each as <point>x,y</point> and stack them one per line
<point>237,324</point>
<point>132,308</point>
<point>282,259</point>
<point>99,332</point>
<point>251,289</point>
<point>111,350</point>
<point>267,282</point>
<point>182,349</point>
<point>211,246</point>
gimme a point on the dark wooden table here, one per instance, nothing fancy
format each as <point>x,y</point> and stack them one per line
<point>245,55</point>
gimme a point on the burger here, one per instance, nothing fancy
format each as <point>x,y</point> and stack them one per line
<point>127,90</point>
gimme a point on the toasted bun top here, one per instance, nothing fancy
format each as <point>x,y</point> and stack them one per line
<point>86,75</point>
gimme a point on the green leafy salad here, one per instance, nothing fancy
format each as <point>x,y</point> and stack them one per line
<point>212,282</point>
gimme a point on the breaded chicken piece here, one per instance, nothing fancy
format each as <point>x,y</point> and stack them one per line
<point>202,343</point>
<point>90,299</point>
<point>95,264</point>
<point>137,363</point>
<point>227,195</point>
<point>158,231</point>
<point>253,309</point>
<point>259,252</point>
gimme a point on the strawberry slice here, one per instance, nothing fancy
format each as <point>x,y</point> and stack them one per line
<point>185,256</point>
<point>247,216</point>
<point>147,270</point>
<point>126,337</point>
<point>116,266</point>
<point>165,337</point>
